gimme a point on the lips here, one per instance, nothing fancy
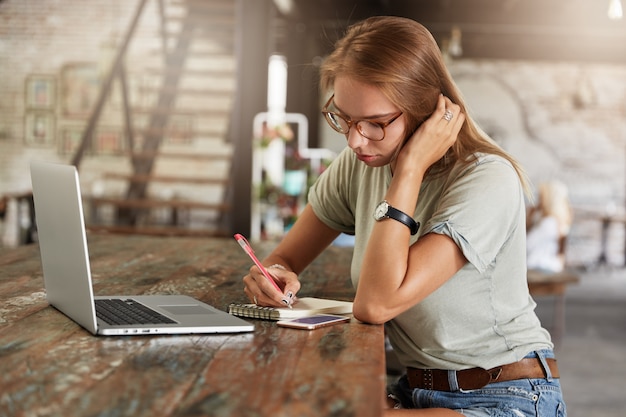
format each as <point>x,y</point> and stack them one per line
<point>366,158</point>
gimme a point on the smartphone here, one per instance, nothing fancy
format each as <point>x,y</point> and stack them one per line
<point>314,322</point>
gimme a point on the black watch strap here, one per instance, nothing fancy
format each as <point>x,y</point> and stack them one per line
<point>394,213</point>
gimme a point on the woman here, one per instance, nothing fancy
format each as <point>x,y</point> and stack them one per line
<point>548,224</point>
<point>453,294</point>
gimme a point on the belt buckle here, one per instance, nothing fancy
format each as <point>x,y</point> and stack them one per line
<point>494,374</point>
<point>476,378</point>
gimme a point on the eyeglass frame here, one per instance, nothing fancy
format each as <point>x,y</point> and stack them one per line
<point>351,122</point>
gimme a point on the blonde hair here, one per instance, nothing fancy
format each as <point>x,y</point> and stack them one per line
<point>554,201</point>
<point>401,58</point>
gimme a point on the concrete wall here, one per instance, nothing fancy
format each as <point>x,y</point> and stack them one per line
<point>563,121</point>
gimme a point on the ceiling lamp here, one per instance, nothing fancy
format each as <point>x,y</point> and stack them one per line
<point>615,10</point>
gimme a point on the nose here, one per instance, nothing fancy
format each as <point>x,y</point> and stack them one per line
<point>355,138</point>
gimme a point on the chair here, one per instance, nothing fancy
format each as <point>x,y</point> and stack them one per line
<point>554,284</point>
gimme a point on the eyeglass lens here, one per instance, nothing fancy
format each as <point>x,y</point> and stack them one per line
<point>370,130</point>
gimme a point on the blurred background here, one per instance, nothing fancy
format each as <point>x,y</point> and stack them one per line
<point>164,105</point>
<point>202,117</point>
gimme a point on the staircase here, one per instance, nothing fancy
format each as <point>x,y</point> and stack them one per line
<point>171,175</point>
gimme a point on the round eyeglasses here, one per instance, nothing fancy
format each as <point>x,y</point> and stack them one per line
<point>369,129</point>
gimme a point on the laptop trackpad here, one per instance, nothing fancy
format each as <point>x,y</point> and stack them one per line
<point>185,310</point>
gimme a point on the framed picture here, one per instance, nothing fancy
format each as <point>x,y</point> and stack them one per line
<point>41,91</point>
<point>70,138</point>
<point>108,141</point>
<point>80,86</point>
<point>39,128</point>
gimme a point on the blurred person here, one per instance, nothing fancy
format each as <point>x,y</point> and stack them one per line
<point>548,225</point>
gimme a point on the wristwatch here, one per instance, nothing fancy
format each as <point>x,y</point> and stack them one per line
<point>385,211</point>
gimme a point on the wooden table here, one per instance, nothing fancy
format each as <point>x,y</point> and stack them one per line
<point>49,366</point>
<point>606,219</point>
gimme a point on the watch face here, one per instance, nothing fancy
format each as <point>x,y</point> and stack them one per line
<point>381,210</point>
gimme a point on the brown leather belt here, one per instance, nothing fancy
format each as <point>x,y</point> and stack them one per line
<point>475,378</point>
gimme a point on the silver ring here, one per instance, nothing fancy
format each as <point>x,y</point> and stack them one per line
<point>448,115</point>
<point>255,301</point>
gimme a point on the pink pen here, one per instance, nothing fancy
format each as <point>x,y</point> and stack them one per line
<point>245,245</point>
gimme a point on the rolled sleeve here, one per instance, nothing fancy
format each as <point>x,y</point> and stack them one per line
<point>480,210</point>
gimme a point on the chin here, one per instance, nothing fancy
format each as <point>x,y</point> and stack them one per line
<point>374,161</point>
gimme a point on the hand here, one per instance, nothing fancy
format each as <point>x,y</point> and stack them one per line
<point>432,139</point>
<point>261,292</point>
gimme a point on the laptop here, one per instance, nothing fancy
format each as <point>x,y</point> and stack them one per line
<point>67,274</point>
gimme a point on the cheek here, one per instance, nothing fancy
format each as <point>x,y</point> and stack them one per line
<point>387,149</point>
<point>394,140</point>
<point>397,131</point>
<point>395,145</point>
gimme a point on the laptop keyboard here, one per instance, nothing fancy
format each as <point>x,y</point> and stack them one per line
<point>128,312</point>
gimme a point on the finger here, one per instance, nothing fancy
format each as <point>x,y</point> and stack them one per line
<point>262,281</point>
<point>441,105</point>
<point>291,289</point>
<point>256,285</point>
<point>250,295</point>
<point>454,119</point>
<point>458,122</point>
<point>250,288</point>
<point>264,300</point>
<point>264,291</point>
<point>451,110</point>
<point>258,297</point>
<point>289,281</point>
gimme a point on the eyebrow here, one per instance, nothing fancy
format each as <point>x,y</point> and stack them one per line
<point>378,116</point>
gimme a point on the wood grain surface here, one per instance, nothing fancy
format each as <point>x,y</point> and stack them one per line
<point>49,366</point>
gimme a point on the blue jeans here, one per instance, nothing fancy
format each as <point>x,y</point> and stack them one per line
<point>519,398</point>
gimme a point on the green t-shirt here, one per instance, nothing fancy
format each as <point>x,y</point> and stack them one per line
<point>483,316</point>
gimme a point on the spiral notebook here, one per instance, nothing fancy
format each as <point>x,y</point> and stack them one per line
<point>305,307</point>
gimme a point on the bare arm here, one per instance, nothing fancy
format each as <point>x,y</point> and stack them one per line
<point>394,275</point>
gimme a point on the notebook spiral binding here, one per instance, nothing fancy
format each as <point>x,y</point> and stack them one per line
<point>253,311</point>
